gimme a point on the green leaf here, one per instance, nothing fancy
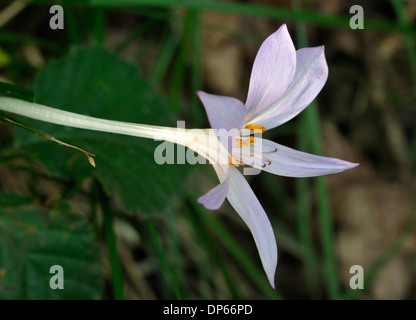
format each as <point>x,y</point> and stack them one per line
<point>7,199</point>
<point>33,240</point>
<point>95,82</point>
<point>14,91</point>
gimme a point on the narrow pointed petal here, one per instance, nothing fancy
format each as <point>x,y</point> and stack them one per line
<point>215,197</point>
<point>225,114</point>
<point>250,210</point>
<point>273,71</point>
<point>310,77</point>
<point>293,163</point>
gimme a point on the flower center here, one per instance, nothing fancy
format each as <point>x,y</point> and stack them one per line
<point>247,152</point>
<point>234,162</point>
<point>241,142</point>
<point>246,142</point>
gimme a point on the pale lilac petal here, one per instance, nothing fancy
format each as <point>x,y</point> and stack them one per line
<point>250,210</point>
<point>293,163</point>
<point>214,198</point>
<point>310,77</point>
<point>225,114</point>
<point>272,73</point>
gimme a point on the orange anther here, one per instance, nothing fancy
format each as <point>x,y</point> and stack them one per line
<point>235,163</point>
<point>255,128</point>
<point>247,142</point>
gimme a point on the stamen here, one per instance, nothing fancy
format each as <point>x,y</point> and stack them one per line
<point>246,142</point>
<point>235,163</point>
<point>255,128</point>
<point>270,152</point>
<point>269,162</point>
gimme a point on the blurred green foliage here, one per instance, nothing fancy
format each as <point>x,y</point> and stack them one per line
<point>94,82</point>
<point>33,239</point>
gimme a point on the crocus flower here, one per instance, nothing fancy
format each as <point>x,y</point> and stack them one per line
<point>283,82</point>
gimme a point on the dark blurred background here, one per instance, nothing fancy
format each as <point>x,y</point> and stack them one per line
<point>367,114</point>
